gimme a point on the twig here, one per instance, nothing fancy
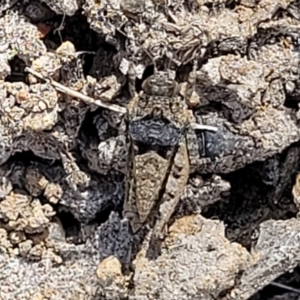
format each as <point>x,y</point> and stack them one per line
<point>87,99</point>
<point>284,286</point>
<point>63,89</point>
<point>197,126</point>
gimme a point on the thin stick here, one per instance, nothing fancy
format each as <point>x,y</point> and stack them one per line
<point>283,286</point>
<point>197,126</point>
<point>63,89</point>
<point>87,99</point>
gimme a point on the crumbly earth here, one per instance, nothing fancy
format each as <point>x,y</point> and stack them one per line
<point>65,154</point>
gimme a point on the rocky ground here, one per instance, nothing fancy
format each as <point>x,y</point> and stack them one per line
<point>64,86</point>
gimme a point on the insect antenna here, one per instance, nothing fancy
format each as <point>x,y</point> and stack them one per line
<point>171,73</point>
<point>193,75</point>
<point>142,48</point>
<point>151,58</point>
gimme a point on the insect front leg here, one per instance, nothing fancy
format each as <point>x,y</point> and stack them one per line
<point>191,97</point>
<point>131,81</point>
<point>193,148</point>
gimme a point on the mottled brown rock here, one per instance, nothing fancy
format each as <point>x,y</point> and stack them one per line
<point>275,253</point>
<point>197,261</point>
<point>114,283</point>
